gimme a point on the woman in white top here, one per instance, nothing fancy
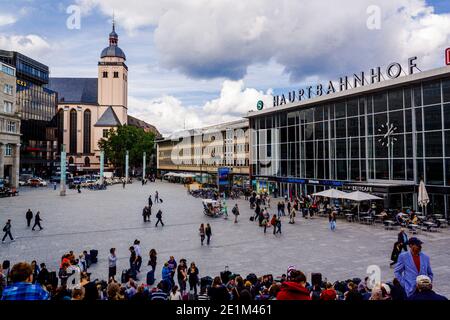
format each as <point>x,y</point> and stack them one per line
<point>175,294</point>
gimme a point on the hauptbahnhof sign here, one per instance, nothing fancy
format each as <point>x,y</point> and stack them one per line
<point>392,71</point>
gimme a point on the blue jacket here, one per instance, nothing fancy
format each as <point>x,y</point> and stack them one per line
<point>406,272</point>
<point>427,296</point>
<point>165,273</point>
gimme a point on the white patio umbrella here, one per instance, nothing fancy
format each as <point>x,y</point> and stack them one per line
<point>359,196</point>
<point>331,193</point>
<point>423,198</point>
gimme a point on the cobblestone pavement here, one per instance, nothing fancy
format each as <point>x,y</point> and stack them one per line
<point>104,219</point>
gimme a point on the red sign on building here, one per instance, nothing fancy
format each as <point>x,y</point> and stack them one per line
<point>447,56</point>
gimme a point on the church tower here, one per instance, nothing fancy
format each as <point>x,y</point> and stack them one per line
<point>113,79</point>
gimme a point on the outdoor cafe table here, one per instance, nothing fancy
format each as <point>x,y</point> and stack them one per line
<point>379,217</point>
<point>367,220</point>
<point>421,217</point>
<point>428,224</point>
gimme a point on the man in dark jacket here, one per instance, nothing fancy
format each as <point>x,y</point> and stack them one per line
<point>403,239</point>
<point>43,276</point>
<point>424,290</point>
<point>294,288</point>
<point>37,221</point>
<point>159,217</point>
<point>29,217</point>
<point>7,231</point>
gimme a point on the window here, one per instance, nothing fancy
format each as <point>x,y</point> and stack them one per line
<point>431,93</point>
<point>87,132</point>
<point>105,74</point>
<point>7,107</point>
<point>433,118</point>
<point>8,70</point>
<point>8,150</point>
<point>87,162</point>
<point>105,133</point>
<point>8,89</point>
<point>116,74</point>
<point>11,126</point>
<point>73,131</point>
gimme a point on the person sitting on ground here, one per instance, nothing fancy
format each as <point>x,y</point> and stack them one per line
<point>22,287</point>
<point>381,292</point>
<point>329,293</point>
<point>424,290</point>
<point>218,292</point>
<point>294,288</point>
<point>78,294</point>
<point>352,294</point>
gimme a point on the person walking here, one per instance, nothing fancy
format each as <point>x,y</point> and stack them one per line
<point>152,259</point>
<point>137,249</point>
<point>273,223</point>
<point>278,226</point>
<point>193,277</point>
<point>208,233</point>
<point>201,231</point>
<point>156,196</point>
<point>145,213</point>
<point>29,217</point>
<point>150,202</point>
<point>182,275</point>
<point>37,221</point>
<point>403,239</point>
<point>332,220</point>
<point>123,183</point>
<point>7,231</point>
<point>266,221</point>
<point>235,211</point>
<point>159,217</point>
<point>112,264</point>
<point>412,264</point>
<point>292,216</point>
<point>79,188</point>
<point>396,252</point>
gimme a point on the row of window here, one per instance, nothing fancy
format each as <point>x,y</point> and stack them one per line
<point>115,75</point>
<point>73,131</point>
<point>32,71</point>
<point>8,70</point>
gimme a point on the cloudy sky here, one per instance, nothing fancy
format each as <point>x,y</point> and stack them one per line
<point>201,62</point>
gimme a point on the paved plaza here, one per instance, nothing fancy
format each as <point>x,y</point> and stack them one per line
<point>104,219</point>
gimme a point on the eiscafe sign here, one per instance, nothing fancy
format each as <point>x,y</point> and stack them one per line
<point>375,75</point>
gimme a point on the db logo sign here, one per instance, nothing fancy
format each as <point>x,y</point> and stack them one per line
<point>447,56</point>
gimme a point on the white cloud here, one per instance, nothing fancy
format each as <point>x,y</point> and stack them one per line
<point>168,113</point>
<point>6,19</point>
<point>207,39</point>
<point>32,45</point>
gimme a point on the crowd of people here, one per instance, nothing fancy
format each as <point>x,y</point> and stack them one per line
<point>181,281</point>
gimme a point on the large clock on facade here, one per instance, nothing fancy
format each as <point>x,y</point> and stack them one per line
<point>387,130</point>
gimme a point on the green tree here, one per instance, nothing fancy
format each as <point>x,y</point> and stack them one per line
<point>124,138</point>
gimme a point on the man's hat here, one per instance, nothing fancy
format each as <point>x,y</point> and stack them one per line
<point>423,281</point>
<point>415,241</point>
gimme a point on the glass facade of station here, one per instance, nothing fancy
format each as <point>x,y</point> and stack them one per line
<point>396,136</point>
